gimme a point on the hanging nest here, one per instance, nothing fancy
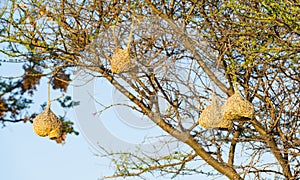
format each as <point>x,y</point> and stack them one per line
<point>209,120</point>
<point>237,108</point>
<point>121,61</point>
<point>48,124</point>
<point>212,116</point>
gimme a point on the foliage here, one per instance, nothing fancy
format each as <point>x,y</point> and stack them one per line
<point>254,44</point>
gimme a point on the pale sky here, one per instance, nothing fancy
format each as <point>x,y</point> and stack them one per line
<point>26,156</point>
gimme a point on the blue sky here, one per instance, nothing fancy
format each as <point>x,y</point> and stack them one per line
<point>26,156</point>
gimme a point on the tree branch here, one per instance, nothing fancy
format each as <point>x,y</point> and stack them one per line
<point>187,42</point>
<point>234,141</point>
<point>275,150</point>
<point>182,136</point>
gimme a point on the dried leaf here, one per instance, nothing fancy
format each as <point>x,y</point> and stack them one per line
<point>61,81</point>
<point>31,78</point>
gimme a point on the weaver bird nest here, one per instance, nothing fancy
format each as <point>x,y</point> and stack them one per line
<point>211,118</point>
<point>237,108</point>
<point>48,124</point>
<point>221,116</point>
<point>120,61</point>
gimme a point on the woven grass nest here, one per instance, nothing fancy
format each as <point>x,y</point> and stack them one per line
<point>211,119</point>
<point>222,116</point>
<point>47,124</point>
<point>121,61</point>
<point>237,108</point>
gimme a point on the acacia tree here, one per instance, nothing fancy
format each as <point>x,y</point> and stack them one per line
<point>253,44</point>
